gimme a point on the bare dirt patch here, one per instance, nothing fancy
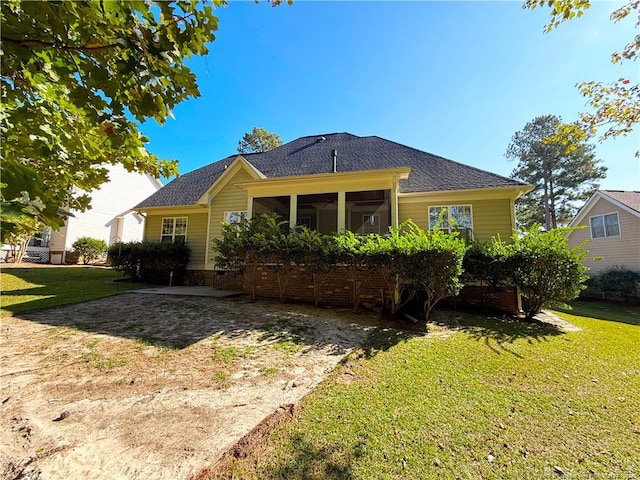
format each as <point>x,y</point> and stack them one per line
<point>150,386</point>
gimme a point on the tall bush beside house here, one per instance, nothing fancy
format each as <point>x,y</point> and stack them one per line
<point>150,261</point>
<point>545,269</point>
<point>89,249</point>
<point>432,262</point>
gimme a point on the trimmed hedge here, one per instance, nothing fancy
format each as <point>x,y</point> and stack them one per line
<point>428,263</point>
<point>151,261</point>
<point>416,264</point>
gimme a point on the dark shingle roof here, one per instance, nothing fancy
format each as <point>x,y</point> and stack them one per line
<point>310,155</point>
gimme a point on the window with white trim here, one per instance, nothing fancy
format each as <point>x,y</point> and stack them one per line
<point>452,218</point>
<point>174,229</point>
<point>607,225</point>
<point>235,217</point>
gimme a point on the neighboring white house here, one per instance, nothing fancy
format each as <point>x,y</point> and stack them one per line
<point>110,217</point>
<point>612,228</point>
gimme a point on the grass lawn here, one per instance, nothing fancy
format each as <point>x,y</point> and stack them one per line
<point>26,289</point>
<point>494,399</point>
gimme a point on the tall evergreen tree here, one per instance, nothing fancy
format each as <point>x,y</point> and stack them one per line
<point>557,159</point>
<point>258,140</point>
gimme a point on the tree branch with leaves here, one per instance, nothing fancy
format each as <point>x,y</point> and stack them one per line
<point>616,105</point>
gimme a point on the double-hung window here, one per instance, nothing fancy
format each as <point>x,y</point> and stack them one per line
<point>174,230</point>
<point>452,218</point>
<point>235,217</point>
<point>607,225</point>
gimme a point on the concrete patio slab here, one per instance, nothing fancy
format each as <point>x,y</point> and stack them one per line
<point>191,292</point>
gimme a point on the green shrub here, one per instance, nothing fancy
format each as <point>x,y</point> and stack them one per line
<point>545,269</point>
<point>89,249</point>
<point>617,280</point>
<point>316,253</point>
<point>247,244</point>
<point>429,262</point>
<point>151,261</point>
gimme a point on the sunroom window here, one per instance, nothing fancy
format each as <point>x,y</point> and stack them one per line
<point>452,218</point>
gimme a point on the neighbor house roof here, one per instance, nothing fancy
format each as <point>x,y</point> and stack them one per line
<point>627,200</point>
<point>314,155</point>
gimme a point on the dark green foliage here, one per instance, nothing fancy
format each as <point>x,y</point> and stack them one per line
<point>89,249</point>
<point>247,244</point>
<point>618,281</point>
<point>317,253</point>
<point>538,262</point>
<point>410,259</point>
<point>487,264</point>
<point>544,268</point>
<point>354,253</point>
<point>150,261</point>
<point>430,262</point>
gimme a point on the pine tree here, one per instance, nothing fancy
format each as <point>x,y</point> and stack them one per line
<point>559,162</point>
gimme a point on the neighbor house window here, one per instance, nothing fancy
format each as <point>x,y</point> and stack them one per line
<point>174,229</point>
<point>235,217</point>
<point>452,218</point>
<point>605,225</point>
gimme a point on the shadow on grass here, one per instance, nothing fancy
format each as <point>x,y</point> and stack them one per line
<point>498,333</point>
<point>381,339</point>
<point>311,461</point>
<point>47,287</point>
<point>176,322</point>
<point>609,311</point>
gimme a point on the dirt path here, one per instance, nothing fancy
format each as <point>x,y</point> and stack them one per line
<point>154,387</point>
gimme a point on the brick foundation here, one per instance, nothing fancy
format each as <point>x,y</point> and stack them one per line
<point>485,298</point>
<point>337,288</point>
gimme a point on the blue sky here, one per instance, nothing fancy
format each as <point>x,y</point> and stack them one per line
<point>456,79</point>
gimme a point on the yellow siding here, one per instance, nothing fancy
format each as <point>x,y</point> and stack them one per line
<point>229,199</point>
<point>196,234</point>
<point>623,250</point>
<point>490,217</point>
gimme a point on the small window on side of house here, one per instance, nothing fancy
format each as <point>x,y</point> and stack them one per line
<point>174,230</point>
<point>235,217</point>
<point>607,225</point>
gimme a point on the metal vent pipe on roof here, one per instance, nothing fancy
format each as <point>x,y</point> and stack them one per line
<point>334,154</point>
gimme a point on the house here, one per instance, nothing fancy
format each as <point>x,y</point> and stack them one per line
<point>611,221</point>
<point>331,182</point>
<point>110,218</point>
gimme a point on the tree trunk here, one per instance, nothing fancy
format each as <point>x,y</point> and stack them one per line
<point>547,220</point>
<point>552,204</point>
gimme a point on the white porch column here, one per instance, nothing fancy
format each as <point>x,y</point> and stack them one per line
<point>394,202</point>
<point>342,210</point>
<point>293,211</point>
<point>249,208</point>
